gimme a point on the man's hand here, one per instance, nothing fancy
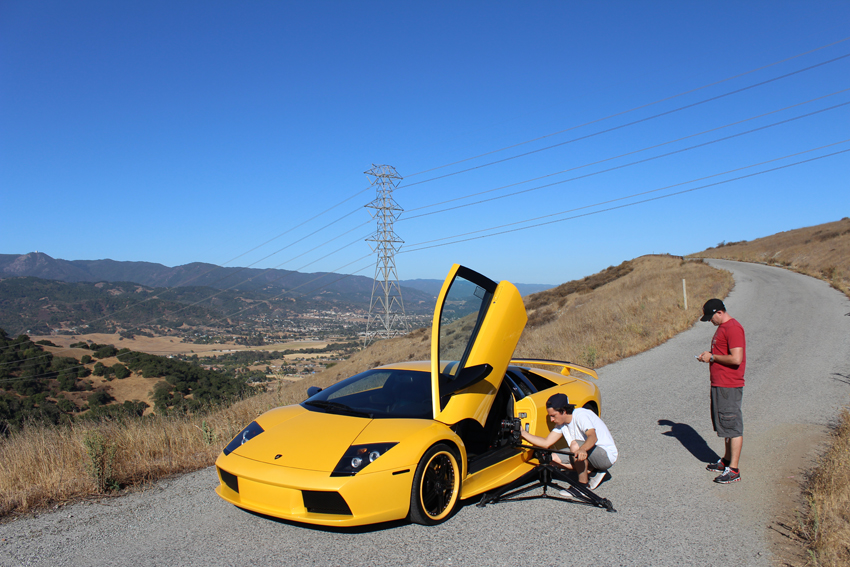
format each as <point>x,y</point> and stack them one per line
<point>734,358</point>
<point>545,443</point>
<point>588,445</point>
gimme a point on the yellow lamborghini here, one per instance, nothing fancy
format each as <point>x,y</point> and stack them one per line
<point>407,440</point>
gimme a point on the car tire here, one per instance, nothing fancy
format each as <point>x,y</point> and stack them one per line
<point>436,486</point>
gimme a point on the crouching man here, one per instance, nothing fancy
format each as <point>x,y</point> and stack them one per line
<point>591,444</point>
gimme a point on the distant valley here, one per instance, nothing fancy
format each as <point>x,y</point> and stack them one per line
<point>43,295</point>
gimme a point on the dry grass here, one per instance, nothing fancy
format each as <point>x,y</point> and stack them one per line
<point>826,527</point>
<point>43,465</point>
<point>163,346</point>
<point>639,309</point>
<point>821,251</point>
<point>597,321</point>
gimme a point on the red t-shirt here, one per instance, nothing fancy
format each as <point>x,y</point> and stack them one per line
<point>729,335</point>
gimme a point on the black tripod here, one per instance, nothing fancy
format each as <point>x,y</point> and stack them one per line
<point>541,476</point>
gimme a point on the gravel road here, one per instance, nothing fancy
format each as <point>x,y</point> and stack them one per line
<point>656,405</point>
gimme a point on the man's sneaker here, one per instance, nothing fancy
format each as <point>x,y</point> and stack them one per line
<point>719,467</point>
<point>728,476</point>
<point>596,479</point>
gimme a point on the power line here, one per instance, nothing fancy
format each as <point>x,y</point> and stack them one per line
<point>618,156</point>
<point>711,142</point>
<point>630,110</point>
<point>412,249</point>
<point>634,122</point>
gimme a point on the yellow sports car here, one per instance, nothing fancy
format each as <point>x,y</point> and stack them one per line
<point>407,440</point>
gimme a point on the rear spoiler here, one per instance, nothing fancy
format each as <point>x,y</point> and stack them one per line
<point>565,366</point>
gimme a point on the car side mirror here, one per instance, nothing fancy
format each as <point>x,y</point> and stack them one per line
<point>312,391</point>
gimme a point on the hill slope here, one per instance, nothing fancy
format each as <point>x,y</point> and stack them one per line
<point>821,251</point>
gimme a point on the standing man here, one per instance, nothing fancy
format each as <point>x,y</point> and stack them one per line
<point>588,437</point>
<point>727,361</point>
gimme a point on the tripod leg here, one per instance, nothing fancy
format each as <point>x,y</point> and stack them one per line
<point>587,495</point>
<point>496,495</point>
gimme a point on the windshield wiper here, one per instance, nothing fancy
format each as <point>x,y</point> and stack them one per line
<point>338,407</point>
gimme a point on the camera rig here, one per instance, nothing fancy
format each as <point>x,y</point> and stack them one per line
<point>541,476</point>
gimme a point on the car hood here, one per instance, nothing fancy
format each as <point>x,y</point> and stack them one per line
<point>307,440</point>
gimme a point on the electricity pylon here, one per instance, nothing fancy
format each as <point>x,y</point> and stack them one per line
<point>386,308</point>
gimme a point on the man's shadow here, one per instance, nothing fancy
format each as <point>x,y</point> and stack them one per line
<point>690,440</point>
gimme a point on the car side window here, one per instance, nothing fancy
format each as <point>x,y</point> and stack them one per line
<point>536,380</point>
<point>519,387</point>
<point>522,382</point>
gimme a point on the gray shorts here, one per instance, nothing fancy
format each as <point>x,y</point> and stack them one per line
<point>597,458</point>
<point>726,415</point>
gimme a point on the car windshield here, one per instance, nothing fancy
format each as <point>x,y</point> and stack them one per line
<point>379,393</point>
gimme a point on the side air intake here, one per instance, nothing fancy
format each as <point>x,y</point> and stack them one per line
<point>325,503</point>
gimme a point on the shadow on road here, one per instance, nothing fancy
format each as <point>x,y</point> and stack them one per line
<point>841,377</point>
<point>372,528</point>
<point>690,440</point>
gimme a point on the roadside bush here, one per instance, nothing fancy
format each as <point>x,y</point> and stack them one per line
<point>101,460</point>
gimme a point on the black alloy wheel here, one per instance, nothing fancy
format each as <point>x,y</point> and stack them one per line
<point>436,486</point>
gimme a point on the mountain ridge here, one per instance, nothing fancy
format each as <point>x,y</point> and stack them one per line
<point>41,265</point>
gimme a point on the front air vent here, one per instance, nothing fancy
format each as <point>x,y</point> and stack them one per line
<point>325,503</point>
<point>230,480</point>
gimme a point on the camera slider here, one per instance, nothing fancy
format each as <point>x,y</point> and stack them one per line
<point>541,476</point>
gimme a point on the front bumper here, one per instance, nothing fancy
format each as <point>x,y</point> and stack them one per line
<point>315,497</point>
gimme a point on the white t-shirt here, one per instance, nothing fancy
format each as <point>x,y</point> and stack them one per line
<point>584,419</point>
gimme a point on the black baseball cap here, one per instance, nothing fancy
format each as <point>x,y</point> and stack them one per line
<point>558,401</point>
<point>711,307</point>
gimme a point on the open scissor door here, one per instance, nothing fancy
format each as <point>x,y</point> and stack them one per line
<point>477,324</point>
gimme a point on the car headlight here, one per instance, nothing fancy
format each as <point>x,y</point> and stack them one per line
<point>358,457</point>
<point>244,436</point>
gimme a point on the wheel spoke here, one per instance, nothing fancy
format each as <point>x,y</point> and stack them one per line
<point>437,485</point>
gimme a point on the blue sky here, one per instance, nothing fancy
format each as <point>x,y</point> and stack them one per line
<point>217,131</point>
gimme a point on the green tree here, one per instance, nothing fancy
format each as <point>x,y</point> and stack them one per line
<point>120,371</point>
<point>99,398</point>
<point>105,351</point>
<point>66,405</point>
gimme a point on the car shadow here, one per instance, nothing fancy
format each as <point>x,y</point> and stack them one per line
<point>690,440</point>
<point>371,528</point>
